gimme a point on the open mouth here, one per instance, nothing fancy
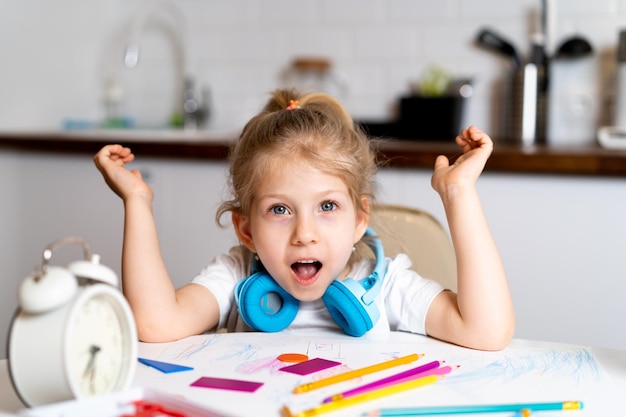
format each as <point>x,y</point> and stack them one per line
<point>306,270</point>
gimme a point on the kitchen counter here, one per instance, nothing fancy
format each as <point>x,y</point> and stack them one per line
<point>589,160</point>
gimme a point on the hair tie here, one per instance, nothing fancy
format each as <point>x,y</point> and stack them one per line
<point>293,104</point>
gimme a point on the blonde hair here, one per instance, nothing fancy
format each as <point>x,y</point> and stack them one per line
<point>313,128</point>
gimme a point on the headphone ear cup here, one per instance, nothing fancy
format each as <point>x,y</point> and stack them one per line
<point>342,299</point>
<point>264,305</point>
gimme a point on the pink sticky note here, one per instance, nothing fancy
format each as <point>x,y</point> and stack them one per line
<point>228,384</point>
<point>310,366</point>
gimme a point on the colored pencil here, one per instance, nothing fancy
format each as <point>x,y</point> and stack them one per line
<point>444,370</point>
<point>471,409</point>
<point>413,373</point>
<point>358,399</point>
<point>356,373</point>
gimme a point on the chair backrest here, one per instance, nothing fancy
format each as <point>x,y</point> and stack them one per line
<point>420,236</point>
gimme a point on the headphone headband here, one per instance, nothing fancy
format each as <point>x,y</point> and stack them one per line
<point>373,283</point>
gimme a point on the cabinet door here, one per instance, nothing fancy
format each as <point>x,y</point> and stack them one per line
<point>9,241</point>
<point>187,194</point>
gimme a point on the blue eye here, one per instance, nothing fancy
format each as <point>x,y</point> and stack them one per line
<point>328,206</point>
<point>278,210</point>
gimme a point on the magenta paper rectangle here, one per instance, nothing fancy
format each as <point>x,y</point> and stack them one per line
<point>310,366</point>
<point>228,384</point>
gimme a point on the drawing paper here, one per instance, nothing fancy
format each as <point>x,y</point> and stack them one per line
<point>524,372</point>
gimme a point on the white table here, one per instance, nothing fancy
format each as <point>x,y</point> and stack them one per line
<point>493,383</point>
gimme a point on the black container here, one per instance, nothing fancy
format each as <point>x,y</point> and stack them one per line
<point>436,118</point>
<point>422,118</point>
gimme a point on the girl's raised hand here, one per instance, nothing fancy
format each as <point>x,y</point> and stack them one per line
<point>111,161</point>
<point>465,170</point>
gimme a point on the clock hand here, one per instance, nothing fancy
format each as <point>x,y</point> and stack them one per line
<point>93,350</point>
<point>90,370</point>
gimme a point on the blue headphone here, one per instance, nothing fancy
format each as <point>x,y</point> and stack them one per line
<point>266,306</point>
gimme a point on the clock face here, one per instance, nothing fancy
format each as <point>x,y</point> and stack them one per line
<point>99,343</point>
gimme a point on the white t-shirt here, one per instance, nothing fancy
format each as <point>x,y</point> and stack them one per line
<point>403,301</point>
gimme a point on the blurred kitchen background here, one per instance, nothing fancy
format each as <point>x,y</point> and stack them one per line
<point>62,62</point>
<point>62,67</point>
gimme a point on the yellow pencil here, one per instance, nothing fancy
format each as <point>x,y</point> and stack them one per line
<point>357,399</point>
<point>356,373</point>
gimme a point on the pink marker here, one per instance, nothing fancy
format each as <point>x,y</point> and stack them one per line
<point>431,368</point>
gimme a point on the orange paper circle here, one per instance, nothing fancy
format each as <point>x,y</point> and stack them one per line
<point>293,357</point>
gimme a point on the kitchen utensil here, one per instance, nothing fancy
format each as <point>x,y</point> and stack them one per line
<point>574,47</point>
<point>492,41</point>
<point>619,116</point>
<point>539,57</point>
<point>524,115</point>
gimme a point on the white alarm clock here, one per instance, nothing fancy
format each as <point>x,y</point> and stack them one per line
<point>73,335</point>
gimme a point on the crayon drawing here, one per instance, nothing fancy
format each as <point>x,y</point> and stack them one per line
<point>517,374</point>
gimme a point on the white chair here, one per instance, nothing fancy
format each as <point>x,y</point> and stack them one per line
<point>420,236</point>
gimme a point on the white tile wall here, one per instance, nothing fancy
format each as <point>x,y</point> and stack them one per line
<point>55,56</point>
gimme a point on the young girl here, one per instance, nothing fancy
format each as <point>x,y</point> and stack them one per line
<point>301,178</point>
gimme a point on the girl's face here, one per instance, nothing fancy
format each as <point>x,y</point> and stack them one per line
<point>303,226</point>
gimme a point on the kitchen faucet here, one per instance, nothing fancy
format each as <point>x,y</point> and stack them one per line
<point>194,112</point>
